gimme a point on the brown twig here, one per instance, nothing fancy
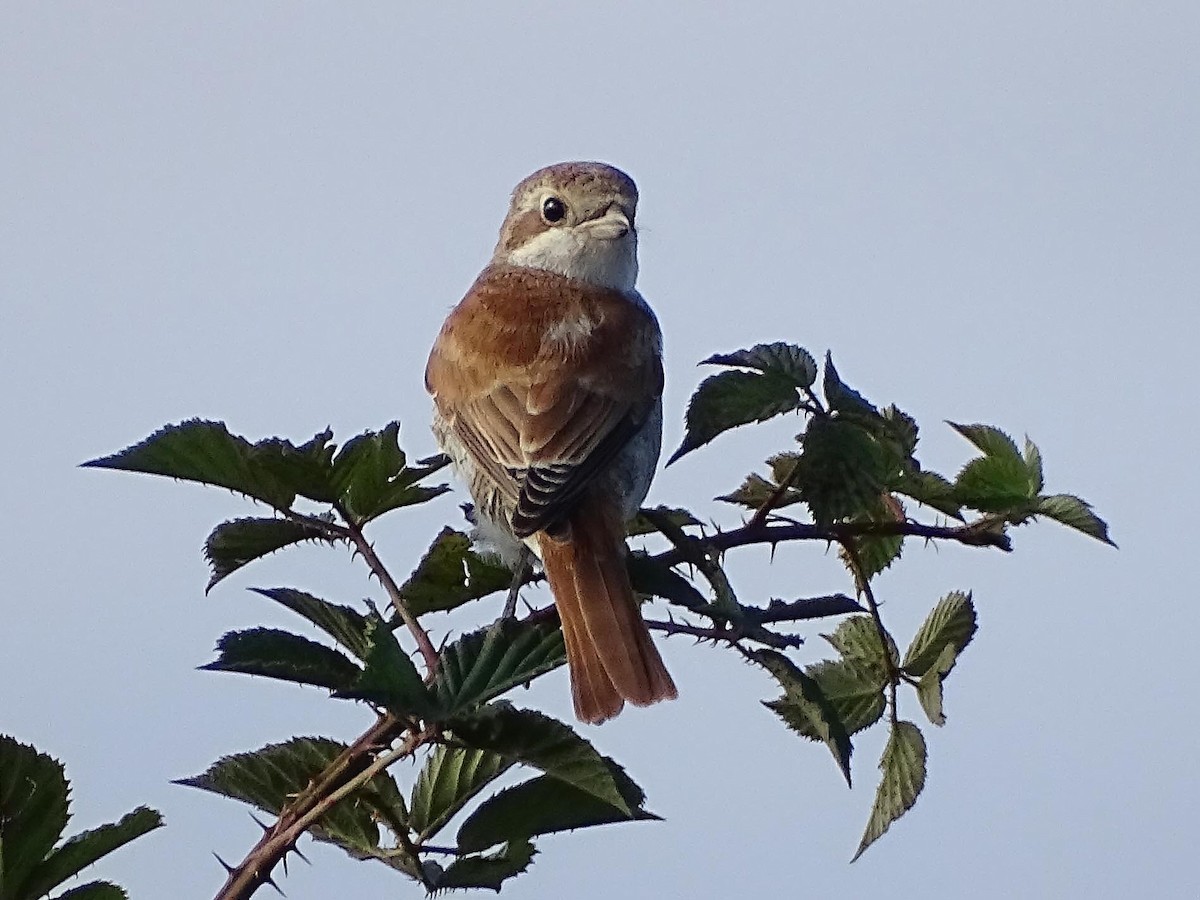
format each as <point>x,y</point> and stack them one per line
<point>424,644</point>
<point>255,870</point>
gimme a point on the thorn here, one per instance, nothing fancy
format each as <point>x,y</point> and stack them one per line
<point>267,879</point>
<point>259,823</point>
<point>297,851</point>
<point>226,866</point>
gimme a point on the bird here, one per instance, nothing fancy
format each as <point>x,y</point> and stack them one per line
<point>547,382</point>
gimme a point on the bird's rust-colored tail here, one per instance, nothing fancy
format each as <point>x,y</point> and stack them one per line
<point>610,654</point>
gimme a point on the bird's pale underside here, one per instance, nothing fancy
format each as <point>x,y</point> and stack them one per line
<point>547,386</point>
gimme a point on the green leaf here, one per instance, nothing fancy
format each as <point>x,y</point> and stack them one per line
<point>951,623</point>
<point>876,553</point>
<point>33,809</point>
<point>996,484</point>
<point>841,470</point>
<point>990,441</point>
<point>929,688</point>
<point>371,475</point>
<point>486,663</point>
<point>805,708</point>
<point>754,492</point>
<point>842,398</point>
<point>273,653</point>
<point>1075,513</point>
<point>786,360</point>
<point>1033,464</point>
<point>489,871</point>
<point>451,574</point>
<point>731,399</point>
<point>235,543</point>
<point>528,737</point>
<point>345,625</point>
<point>901,428</point>
<point>389,679</point>
<point>546,805</point>
<point>854,692</point>
<point>81,850</point>
<point>94,890</point>
<point>903,767</point>
<point>679,516</point>
<point>449,779</point>
<point>857,640</point>
<point>206,452</point>
<point>652,578</point>
<point>931,489</point>
<point>271,777</point>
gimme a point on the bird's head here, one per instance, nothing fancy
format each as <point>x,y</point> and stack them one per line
<point>575,219</point>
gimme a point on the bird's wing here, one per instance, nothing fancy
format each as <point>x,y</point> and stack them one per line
<point>542,416</point>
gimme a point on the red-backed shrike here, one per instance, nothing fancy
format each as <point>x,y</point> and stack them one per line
<point>547,384</point>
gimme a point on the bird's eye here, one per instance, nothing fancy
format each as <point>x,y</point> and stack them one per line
<point>553,209</point>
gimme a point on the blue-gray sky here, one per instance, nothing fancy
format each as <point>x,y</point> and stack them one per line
<point>261,212</point>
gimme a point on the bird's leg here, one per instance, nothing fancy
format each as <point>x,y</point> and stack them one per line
<point>520,572</point>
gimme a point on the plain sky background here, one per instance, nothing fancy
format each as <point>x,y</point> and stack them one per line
<point>261,212</point>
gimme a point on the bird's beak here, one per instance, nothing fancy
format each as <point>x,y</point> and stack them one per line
<point>611,226</point>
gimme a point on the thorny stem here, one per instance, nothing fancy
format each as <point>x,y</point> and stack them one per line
<point>255,870</point>
<point>424,644</point>
<point>864,586</point>
<point>760,515</point>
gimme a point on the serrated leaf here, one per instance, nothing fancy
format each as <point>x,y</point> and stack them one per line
<point>854,692</point>
<point>545,805</point>
<point>451,574</point>
<point>876,553</point>
<point>1074,513</point>
<point>857,640</point>
<point>449,779</point>
<point>1033,464</point>
<point>929,688</point>
<point>371,476</point>
<point>489,871</point>
<point>989,440</point>
<point>901,428</point>
<point>235,543</point>
<point>274,653</point>
<point>345,625</point>
<point>389,678</point>
<point>677,515</point>
<point>804,705</point>
<point>996,484</point>
<point>841,470</point>
<point>903,767</point>
<point>931,489</point>
<point>652,578</point>
<point>81,850</point>
<point>754,492</point>
<point>952,622</point>
<point>486,663</point>
<point>528,737</point>
<point>788,360</point>
<point>33,808</point>
<point>206,452</point>
<point>94,890</point>
<point>842,398</point>
<point>271,777</point>
<point>730,399</point>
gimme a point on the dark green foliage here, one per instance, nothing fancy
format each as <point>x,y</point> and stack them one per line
<point>842,481</point>
<point>488,663</point>
<point>451,778</point>
<point>235,543</point>
<point>280,654</point>
<point>271,777</point>
<point>451,574</point>
<point>345,625</point>
<point>389,679</point>
<point>33,817</point>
